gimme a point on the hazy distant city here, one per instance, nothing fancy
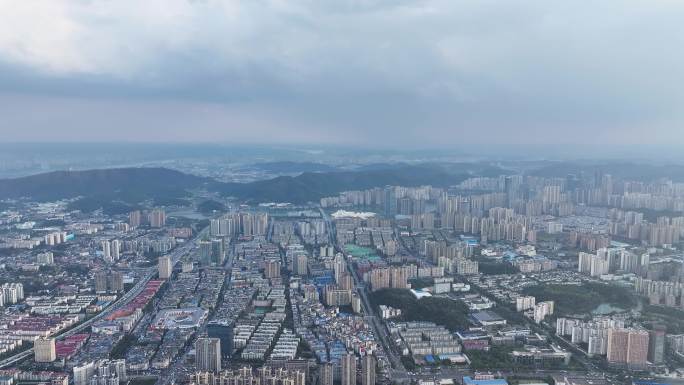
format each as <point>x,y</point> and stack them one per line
<point>341,192</point>
<point>305,272</point>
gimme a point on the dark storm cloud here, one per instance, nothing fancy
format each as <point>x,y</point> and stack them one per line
<point>389,72</point>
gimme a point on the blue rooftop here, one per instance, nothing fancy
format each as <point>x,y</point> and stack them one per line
<point>649,383</point>
<point>469,381</point>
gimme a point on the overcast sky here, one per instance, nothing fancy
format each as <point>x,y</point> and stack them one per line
<point>392,72</point>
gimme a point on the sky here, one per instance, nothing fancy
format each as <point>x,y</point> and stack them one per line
<point>391,73</point>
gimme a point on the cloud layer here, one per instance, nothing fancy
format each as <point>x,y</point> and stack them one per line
<point>385,72</point>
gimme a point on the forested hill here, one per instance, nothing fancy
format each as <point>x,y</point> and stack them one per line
<point>125,183</point>
<point>133,185</point>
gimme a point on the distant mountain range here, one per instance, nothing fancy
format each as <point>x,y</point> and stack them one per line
<point>128,184</point>
<point>118,190</point>
<point>133,185</point>
<point>311,186</point>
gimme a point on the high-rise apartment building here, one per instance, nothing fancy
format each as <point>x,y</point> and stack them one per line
<point>205,252</point>
<point>102,372</point>
<point>335,296</point>
<point>45,350</point>
<point>656,345</point>
<point>12,292</point>
<point>218,252</point>
<point>134,218</point>
<point>346,282</point>
<point>108,281</point>
<point>115,281</point>
<point>100,281</point>
<point>253,223</point>
<point>618,340</point>
<point>187,266</point>
<point>390,202</point>
<point>115,249</point>
<point>224,227</point>
<point>157,218</point>
<point>466,266</point>
<point>628,347</point>
<point>112,370</point>
<point>523,303</point>
<point>46,258</point>
<point>272,269</point>
<point>301,263</point>
<point>594,265</point>
<point>543,309</point>
<point>368,364</point>
<point>208,353</point>
<point>379,278</point>
<point>165,267</point>
<point>339,267</point>
<point>224,332</point>
<point>637,351</point>
<point>326,374</point>
<point>348,369</point>
<point>106,251</point>
<point>247,376</point>
<point>629,262</point>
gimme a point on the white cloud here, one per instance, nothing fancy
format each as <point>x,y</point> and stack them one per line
<point>371,67</point>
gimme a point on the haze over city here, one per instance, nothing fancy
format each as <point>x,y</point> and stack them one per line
<point>349,192</point>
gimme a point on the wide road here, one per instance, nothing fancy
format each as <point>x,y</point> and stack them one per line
<point>175,255</point>
<point>458,373</point>
<point>379,328</point>
<point>330,226</point>
<point>170,375</point>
